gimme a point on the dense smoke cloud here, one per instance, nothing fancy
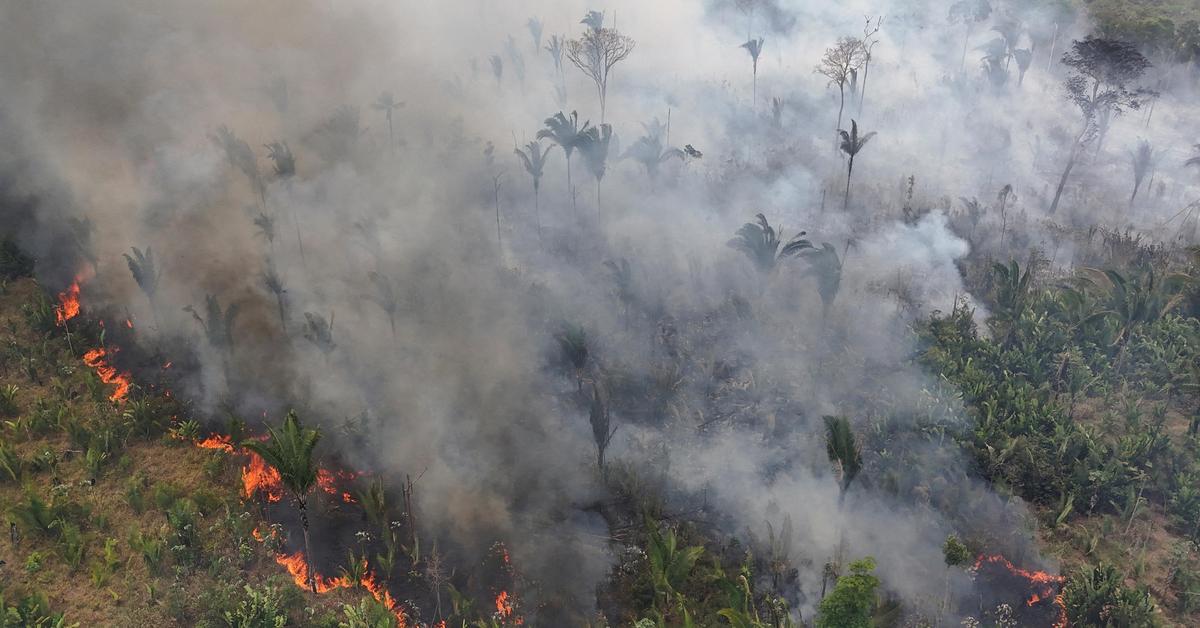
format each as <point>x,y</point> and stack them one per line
<point>447,345</point>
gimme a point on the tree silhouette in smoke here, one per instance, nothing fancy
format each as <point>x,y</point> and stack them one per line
<point>388,104</point>
<point>533,157</point>
<point>852,144</point>
<point>759,242</point>
<point>595,53</point>
<point>754,47</point>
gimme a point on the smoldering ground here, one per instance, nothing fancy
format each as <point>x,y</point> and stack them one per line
<point>399,270</point>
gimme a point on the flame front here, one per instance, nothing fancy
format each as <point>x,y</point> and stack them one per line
<point>68,304</point>
<point>297,566</point>
<point>258,476</point>
<point>97,359</point>
<point>1045,585</point>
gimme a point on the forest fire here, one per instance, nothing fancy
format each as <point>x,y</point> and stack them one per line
<point>1044,586</point>
<point>297,566</point>
<point>98,360</point>
<point>68,304</point>
<point>258,476</point>
<point>327,480</point>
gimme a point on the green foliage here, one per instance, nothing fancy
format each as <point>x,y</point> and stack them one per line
<point>35,515</point>
<point>72,545</point>
<point>852,601</point>
<point>842,448</point>
<point>258,609</point>
<point>670,565</point>
<point>760,242</point>
<point>289,450</point>
<point>1096,596</point>
<point>368,613</point>
<point>150,549</point>
<point>11,464</point>
<point>954,552</point>
<point>8,400</point>
<point>31,612</point>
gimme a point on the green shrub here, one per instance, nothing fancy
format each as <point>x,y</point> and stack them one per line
<point>8,400</point>
<point>36,516</point>
<point>258,609</point>
<point>72,545</point>
<point>1096,596</point>
<point>33,563</point>
<point>166,494</point>
<point>11,464</point>
<point>150,549</point>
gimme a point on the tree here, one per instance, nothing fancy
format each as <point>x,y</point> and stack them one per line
<point>955,554</point>
<point>497,68</point>
<point>385,296</point>
<point>566,132</point>
<point>838,64</point>
<point>240,156</point>
<point>1142,160</point>
<point>282,159</point>
<point>649,151</point>
<point>534,160</point>
<point>1101,72</point>
<point>826,266</point>
<point>853,598</point>
<point>275,285</point>
<point>388,104</point>
<point>761,244</point>
<point>670,565</point>
<point>1136,301</point>
<point>842,447</point>
<point>535,31</point>
<point>216,323</point>
<point>146,274</point>
<point>602,427</point>
<point>852,144</point>
<point>555,47</point>
<point>869,41</point>
<point>594,20</point>
<point>595,53</point>
<point>754,47</point>
<point>968,13</point>
<point>1024,59</point>
<point>594,144</point>
<point>289,450</point>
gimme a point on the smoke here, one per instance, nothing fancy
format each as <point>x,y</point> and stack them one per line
<point>441,335</point>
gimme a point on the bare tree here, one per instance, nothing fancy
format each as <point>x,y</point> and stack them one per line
<point>595,53</point>
<point>1102,70</point>
<point>869,31</point>
<point>839,62</point>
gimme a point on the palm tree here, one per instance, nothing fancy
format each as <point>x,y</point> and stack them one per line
<point>761,244</point>
<point>534,160</point>
<point>240,156</point>
<point>555,48</point>
<point>535,31</point>
<point>146,274</point>
<point>648,150</point>
<point>566,132</point>
<point>842,447</point>
<point>387,103</point>
<point>594,144</point>
<point>281,156</point>
<point>319,331</point>
<point>289,450</point>
<point>852,143</point>
<point>216,323</point>
<point>274,284</point>
<point>1142,160</point>
<point>1024,59</point>
<point>754,47</point>
<point>826,266</point>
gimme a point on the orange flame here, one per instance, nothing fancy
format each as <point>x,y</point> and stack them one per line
<point>1045,584</point>
<point>327,480</point>
<point>108,373</point>
<point>504,607</point>
<point>217,441</point>
<point>297,566</point>
<point>258,476</point>
<point>68,304</point>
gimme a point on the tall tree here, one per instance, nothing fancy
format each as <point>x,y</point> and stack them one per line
<point>870,30</point>
<point>754,47</point>
<point>838,65</point>
<point>852,601</point>
<point>534,160</point>
<point>388,104</point>
<point>852,144</point>
<point>289,450</point>
<point>1102,71</point>
<point>566,132</point>
<point>649,151</point>
<point>535,31</point>
<point>594,144</point>
<point>595,53</point>
<point>968,13</point>
<point>826,267</point>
